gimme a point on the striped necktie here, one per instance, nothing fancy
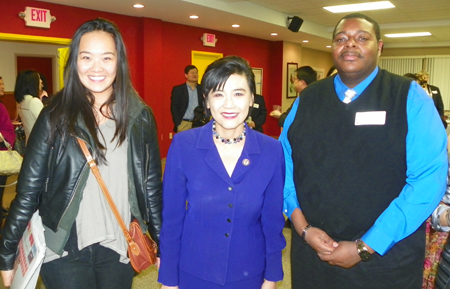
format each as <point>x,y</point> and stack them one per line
<point>349,95</point>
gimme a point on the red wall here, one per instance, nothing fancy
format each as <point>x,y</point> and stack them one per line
<point>68,19</point>
<point>158,52</point>
<point>43,65</point>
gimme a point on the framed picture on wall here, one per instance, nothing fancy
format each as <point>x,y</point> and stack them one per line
<point>290,90</point>
<point>320,72</point>
<point>258,72</point>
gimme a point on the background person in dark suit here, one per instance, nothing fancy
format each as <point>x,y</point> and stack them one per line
<point>184,99</point>
<point>305,75</point>
<point>258,114</point>
<point>434,93</point>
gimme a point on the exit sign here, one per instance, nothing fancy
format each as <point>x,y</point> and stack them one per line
<point>209,40</point>
<point>37,17</point>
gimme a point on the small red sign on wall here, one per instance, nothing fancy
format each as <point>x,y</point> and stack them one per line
<point>209,40</point>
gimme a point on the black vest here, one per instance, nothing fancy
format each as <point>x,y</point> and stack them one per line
<point>346,175</point>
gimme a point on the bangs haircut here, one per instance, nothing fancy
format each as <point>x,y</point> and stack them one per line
<point>218,72</point>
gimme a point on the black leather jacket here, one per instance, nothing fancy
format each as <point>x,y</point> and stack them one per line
<point>53,177</point>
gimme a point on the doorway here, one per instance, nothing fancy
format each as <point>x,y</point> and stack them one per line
<point>202,59</point>
<point>43,65</point>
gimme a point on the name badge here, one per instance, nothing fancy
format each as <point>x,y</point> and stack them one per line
<point>434,91</point>
<point>256,105</point>
<point>370,118</point>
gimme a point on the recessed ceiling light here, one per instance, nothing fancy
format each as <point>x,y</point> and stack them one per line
<point>413,34</point>
<point>305,41</point>
<point>193,17</point>
<point>360,7</point>
<point>235,25</point>
<point>138,6</point>
<point>274,34</point>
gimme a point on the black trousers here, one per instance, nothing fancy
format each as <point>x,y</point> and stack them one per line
<point>94,267</point>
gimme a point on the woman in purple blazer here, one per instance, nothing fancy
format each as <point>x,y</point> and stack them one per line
<point>229,233</point>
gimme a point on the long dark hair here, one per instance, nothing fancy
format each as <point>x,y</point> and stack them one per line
<point>27,82</point>
<point>75,100</point>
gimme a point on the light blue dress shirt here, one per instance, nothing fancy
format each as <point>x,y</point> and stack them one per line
<point>193,103</point>
<point>426,160</point>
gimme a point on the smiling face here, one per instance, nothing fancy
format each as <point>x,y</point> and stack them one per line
<point>229,105</point>
<point>97,64</point>
<point>355,49</point>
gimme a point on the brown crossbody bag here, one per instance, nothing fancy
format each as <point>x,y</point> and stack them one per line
<point>141,248</point>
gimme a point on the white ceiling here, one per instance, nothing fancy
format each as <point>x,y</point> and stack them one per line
<point>259,18</point>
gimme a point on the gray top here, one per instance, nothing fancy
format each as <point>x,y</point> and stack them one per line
<point>95,221</point>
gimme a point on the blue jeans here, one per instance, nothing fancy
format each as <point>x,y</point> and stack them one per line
<point>94,267</point>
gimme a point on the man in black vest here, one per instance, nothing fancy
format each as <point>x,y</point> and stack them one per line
<point>366,164</point>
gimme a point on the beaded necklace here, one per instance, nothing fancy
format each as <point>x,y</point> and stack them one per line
<point>227,140</point>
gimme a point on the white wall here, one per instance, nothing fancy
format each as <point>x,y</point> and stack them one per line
<point>10,49</point>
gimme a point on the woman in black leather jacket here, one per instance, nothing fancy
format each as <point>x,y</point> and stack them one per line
<point>85,247</point>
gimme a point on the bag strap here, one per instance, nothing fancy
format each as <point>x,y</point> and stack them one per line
<point>8,146</point>
<point>10,185</point>
<point>105,191</point>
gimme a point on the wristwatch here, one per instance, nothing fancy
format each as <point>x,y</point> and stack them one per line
<point>363,252</point>
<point>304,234</point>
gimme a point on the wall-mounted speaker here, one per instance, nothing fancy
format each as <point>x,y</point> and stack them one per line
<point>295,24</point>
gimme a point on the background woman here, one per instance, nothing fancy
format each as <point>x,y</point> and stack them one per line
<point>437,238</point>
<point>27,92</point>
<point>43,96</point>
<point>7,130</point>
<point>85,246</point>
<point>434,93</point>
<point>230,234</point>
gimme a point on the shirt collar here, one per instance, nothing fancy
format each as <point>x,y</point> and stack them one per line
<point>189,87</point>
<point>341,88</point>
